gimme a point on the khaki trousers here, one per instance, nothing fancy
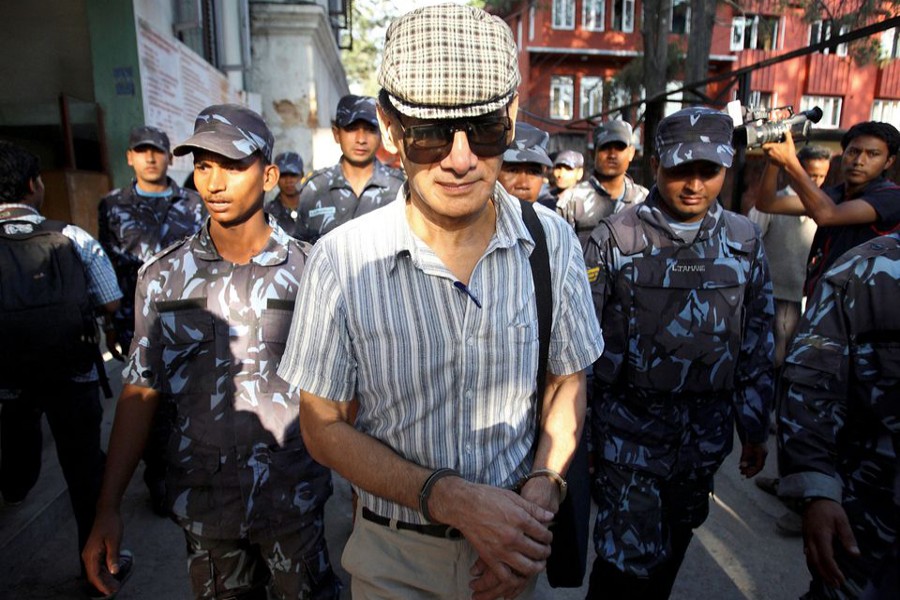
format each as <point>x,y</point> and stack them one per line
<point>389,564</point>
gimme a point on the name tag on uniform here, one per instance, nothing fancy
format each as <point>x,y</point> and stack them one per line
<point>325,211</point>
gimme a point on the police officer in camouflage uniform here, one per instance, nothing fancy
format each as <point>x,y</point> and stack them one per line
<point>138,221</point>
<point>358,183</point>
<point>682,291</point>
<point>134,223</point>
<point>214,312</point>
<point>284,207</point>
<point>839,420</point>
<point>524,163</point>
<point>610,189</point>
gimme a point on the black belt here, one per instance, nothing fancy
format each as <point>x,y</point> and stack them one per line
<point>439,531</point>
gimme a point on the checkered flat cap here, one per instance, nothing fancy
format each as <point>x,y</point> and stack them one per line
<point>449,62</point>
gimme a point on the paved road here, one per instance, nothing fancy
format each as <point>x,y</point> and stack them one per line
<point>736,555</point>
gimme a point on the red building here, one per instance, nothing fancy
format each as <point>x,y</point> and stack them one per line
<point>571,49</point>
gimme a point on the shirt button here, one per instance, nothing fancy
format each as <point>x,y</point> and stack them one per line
<point>470,342</point>
<point>468,394</point>
<point>469,448</point>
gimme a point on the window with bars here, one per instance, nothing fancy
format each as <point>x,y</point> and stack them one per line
<point>562,92</point>
<point>831,109</point>
<point>195,27</point>
<point>563,16</point>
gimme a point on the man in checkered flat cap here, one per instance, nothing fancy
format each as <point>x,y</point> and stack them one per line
<point>420,319</point>
<point>683,295</point>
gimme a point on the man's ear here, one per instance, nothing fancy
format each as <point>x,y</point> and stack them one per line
<point>334,132</point>
<point>270,177</point>
<point>390,142</point>
<point>654,164</point>
<point>513,112</point>
<point>890,161</point>
<point>631,150</point>
<point>128,158</point>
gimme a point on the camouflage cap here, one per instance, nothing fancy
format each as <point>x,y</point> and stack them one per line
<point>449,62</point>
<point>569,158</point>
<point>695,133</point>
<point>145,135</point>
<point>529,146</point>
<point>613,131</point>
<point>232,130</point>
<point>289,163</point>
<point>356,108</point>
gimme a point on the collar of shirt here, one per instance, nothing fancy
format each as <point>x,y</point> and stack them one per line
<point>176,192</point>
<point>510,228</point>
<point>33,216</point>
<point>650,212</point>
<point>275,252</point>
<point>625,197</point>
<point>379,177</point>
<point>838,193</point>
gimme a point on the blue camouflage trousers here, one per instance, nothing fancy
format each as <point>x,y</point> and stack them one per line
<point>637,512</point>
<point>292,566</point>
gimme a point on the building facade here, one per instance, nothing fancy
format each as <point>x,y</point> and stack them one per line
<point>570,51</point>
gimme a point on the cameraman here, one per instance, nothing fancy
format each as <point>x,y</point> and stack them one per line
<point>865,206</point>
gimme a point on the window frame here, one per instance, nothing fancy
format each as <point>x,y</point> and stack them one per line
<point>567,23</point>
<point>590,82</point>
<point>832,109</point>
<point>687,16</point>
<point>627,7</point>
<point>584,15</point>
<point>561,85</point>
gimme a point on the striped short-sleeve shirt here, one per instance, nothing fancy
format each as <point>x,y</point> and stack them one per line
<point>444,373</point>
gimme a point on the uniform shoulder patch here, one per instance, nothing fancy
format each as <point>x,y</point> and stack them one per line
<point>593,274</point>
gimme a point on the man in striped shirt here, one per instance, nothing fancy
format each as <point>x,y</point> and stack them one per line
<point>421,315</point>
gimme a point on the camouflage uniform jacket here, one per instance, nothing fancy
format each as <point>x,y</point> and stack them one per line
<point>285,217</point>
<point>840,413</point>
<point>132,228</point>
<point>209,338</point>
<point>688,334</point>
<point>593,203</point>
<point>327,200</point>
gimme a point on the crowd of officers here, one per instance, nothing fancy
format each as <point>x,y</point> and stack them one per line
<point>400,349</point>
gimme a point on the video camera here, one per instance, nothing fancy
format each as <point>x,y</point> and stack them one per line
<point>758,128</point>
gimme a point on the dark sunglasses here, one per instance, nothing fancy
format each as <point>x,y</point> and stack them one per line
<point>432,142</point>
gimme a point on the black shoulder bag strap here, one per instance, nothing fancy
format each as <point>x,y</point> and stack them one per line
<point>568,552</point>
<point>540,273</point>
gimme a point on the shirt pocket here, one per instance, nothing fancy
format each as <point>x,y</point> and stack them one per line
<point>274,326</point>
<point>686,324</point>
<point>188,340</point>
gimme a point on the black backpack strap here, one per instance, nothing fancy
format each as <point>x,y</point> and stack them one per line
<point>543,293</point>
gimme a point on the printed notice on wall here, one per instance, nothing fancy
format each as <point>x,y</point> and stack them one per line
<point>176,85</point>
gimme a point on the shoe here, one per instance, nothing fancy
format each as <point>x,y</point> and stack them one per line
<point>767,484</point>
<point>790,524</point>
<point>126,563</point>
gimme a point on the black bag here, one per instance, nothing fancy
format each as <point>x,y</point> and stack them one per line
<point>46,321</point>
<point>568,552</point>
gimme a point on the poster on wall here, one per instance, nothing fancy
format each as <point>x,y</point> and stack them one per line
<point>177,84</point>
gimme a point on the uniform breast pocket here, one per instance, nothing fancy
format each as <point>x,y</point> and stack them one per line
<point>188,338</point>
<point>686,324</point>
<point>274,325</point>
